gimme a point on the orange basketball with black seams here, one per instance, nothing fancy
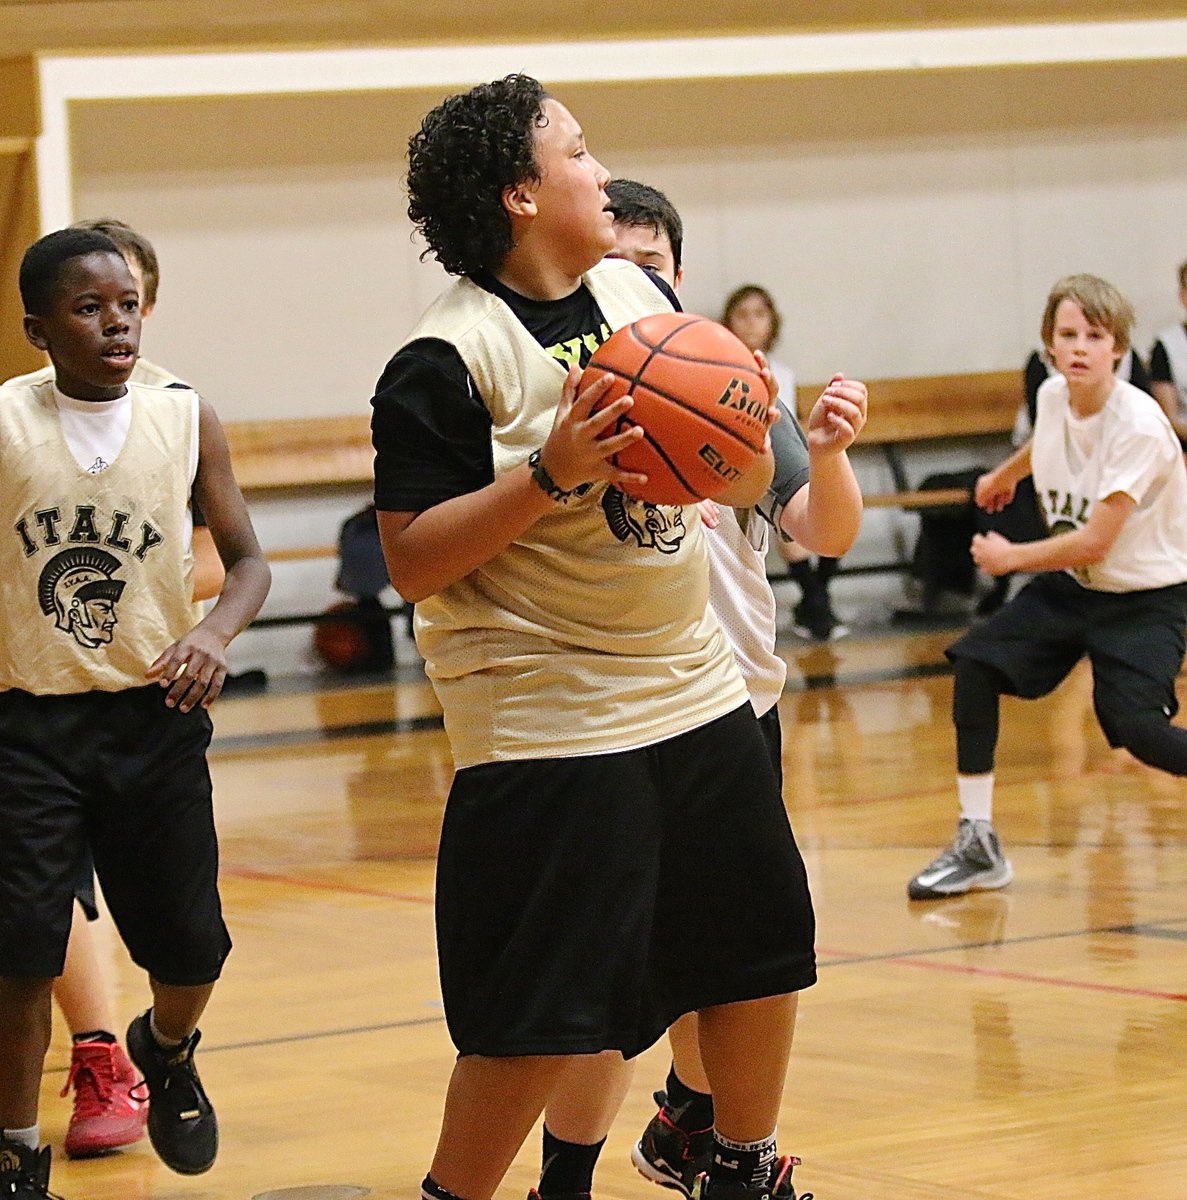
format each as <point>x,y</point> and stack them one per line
<point>698,397</point>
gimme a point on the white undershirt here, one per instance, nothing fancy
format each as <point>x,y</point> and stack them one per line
<point>745,606</point>
<point>96,430</point>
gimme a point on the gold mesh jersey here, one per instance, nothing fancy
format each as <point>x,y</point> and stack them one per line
<point>95,576</point>
<point>143,372</point>
<point>592,632</point>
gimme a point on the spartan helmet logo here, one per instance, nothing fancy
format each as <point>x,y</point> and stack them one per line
<point>76,588</point>
<point>652,526</point>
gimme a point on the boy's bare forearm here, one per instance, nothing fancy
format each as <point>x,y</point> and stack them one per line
<point>1017,467</point>
<point>248,575</point>
<point>429,550</point>
<point>243,594</point>
<point>825,516</point>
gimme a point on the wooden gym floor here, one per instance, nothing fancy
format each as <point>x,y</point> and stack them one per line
<point>1029,1042</point>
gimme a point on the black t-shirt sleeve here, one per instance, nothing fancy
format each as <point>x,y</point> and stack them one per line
<point>430,429</point>
<point>662,284</point>
<point>1160,364</point>
<point>1139,376</point>
<point>1034,376</point>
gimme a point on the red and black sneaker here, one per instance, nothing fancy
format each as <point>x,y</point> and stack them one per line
<point>671,1156</point>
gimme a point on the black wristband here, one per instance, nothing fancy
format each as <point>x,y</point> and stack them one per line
<point>544,481</point>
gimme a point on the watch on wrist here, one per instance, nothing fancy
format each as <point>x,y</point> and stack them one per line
<point>544,481</point>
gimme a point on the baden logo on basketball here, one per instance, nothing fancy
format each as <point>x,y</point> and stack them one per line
<point>699,397</point>
<point>737,396</point>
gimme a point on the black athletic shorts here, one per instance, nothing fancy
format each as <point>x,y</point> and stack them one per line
<point>1134,640</point>
<point>772,733</point>
<point>84,887</point>
<point>583,904</point>
<point>120,773</point>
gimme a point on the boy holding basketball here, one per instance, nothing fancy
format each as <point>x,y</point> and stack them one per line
<point>96,583</point>
<point>1111,579</point>
<point>600,729</point>
<point>676,1146</point>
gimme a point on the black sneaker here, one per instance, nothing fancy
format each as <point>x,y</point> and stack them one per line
<point>669,1156</point>
<point>779,1187</point>
<point>181,1122</point>
<point>24,1173</point>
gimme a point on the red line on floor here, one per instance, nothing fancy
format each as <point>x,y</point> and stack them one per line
<point>321,885</point>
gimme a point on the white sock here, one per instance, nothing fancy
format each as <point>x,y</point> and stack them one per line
<point>161,1040</point>
<point>30,1138</point>
<point>976,796</point>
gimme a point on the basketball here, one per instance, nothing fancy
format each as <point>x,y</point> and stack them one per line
<point>354,636</point>
<point>698,397</point>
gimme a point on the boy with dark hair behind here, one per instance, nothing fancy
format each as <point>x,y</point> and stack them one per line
<point>95,599</point>
<point>1111,580</point>
<point>676,1146</point>
<point>601,732</point>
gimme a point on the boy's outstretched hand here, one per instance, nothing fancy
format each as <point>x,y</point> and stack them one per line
<point>193,669</point>
<point>993,491</point>
<point>838,416</point>
<point>576,452</point>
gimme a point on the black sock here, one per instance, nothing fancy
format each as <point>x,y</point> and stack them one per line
<point>690,1111</point>
<point>568,1167</point>
<point>742,1164</point>
<point>430,1189</point>
<point>826,568</point>
<point>803,574</point>
<point>96,1035</point>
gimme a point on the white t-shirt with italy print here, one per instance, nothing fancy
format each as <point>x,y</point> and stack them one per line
<point>1128,447</point>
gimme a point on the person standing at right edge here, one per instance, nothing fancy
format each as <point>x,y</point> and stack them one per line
<point>601,732</point>
<point>1111,582</point>
<point>1168,366</point>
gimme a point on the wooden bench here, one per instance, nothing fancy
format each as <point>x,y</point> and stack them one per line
<point>923,409</point>
<point>272,456</point>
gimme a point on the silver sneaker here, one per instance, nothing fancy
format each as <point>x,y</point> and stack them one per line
<point>973,862</point>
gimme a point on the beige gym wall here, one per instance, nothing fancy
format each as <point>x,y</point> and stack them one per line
<point>908,223</point>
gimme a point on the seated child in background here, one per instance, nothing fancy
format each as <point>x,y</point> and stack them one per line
<point>1168,367</point>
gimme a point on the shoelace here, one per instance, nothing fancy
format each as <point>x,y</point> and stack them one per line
<point>94,1079</point>
<point>792,1162</point>
<point>965,836</point>
<point>686,1151</point>
<point>184,1092</point>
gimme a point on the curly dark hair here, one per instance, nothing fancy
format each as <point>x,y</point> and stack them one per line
<point>468,150</point>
